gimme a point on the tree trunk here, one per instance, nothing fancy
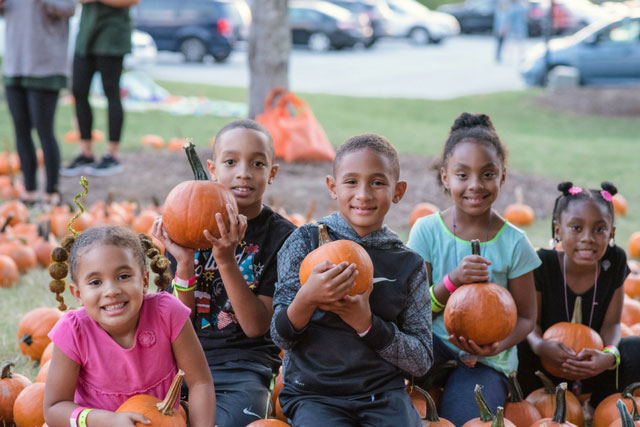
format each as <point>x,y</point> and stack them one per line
<point>269,47</point>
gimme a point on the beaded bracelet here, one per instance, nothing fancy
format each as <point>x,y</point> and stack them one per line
<point>436,306</point>
<point>448,284</point>
<point>612,349</point>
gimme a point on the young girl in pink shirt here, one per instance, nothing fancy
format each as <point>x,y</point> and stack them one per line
<point>123,341</point>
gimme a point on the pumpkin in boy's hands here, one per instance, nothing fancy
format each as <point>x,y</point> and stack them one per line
<point>336,252</point>
<point>161,413</point>
<point>482,312</point>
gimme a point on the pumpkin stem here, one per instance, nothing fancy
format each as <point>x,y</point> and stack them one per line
<point>518,194</point>
<point>515,392</point>
<point>485,412</point>
<point>6,370</point>
<point>625,416</point>
<point>6,223</point>
<point>26,338</point>
<point>576,317</point>
<point>549,388</point>
<point>560,414</point>
<point>627,393</point>
<point>323,235</point>
<point>311,210</point>
<point>196,165</point>
<point>166,406</point>
<point>432,412</point>
<point>498,421</point>
<point>475,247</point>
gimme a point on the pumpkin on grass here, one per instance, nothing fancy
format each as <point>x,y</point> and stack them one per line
<point>607,412</point>
<point>560,414</point>
<point>482,312</point>
<point>486,418</point>
<point>544,399</point>
<point>28,409</point>
<point>519,411</point>
<point>335,252</point>
<point>619,204</point>
<point>519,213</point>
<point>33,329</point>
<point>630,311</point>
<point>429,415</point>
<point>47,353</point>
<point>574,335</point>
<point>420,210</point>
<point>634,245</point>
<point>42,373</point>
<point>625,419</point>
<point>632,285</point>
<point>191,207</point>
<point>11,385</point>
<point>160,413</point>
<point>8,271</point>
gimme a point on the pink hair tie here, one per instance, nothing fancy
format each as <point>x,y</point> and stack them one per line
<point>575,190</point>
<point>606,195</point>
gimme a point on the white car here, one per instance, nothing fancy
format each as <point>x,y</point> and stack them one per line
<point>421,25</point>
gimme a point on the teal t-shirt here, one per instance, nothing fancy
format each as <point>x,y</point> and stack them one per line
<point>511,256</point>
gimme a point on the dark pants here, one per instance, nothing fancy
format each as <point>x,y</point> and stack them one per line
<point>388,409</point>
<point>600,386</point>
<point>458,403</point>
<point>110,68</point>
<point>35,108</point>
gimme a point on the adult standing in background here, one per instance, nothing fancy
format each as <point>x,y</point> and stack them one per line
<point>34,71</point>
<point>500,26</point>
<point>103,39</point>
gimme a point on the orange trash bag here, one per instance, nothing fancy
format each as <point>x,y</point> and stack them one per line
<point>297,137</point>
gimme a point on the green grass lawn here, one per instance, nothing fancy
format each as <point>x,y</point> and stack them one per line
<point>540,141</point>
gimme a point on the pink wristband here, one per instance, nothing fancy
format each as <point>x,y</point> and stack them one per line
<point>73,419</point>
<point>448,284</point>
<point>362,335</point>
<point>185,283</point>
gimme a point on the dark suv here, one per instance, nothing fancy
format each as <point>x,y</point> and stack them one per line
<point>193,27</point>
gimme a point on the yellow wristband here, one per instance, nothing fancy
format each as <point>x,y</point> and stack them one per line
<point>436,306</point>
<point>82,418</point>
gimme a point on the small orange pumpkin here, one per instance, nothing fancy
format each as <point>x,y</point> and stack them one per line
<point>15,208</point>
<point>482,312</point>
<point>420,210</point>
<point>519,411</point>
<point>335,252</point>
<point>24,256</point>
<point>33,329</point>
<point>143,222</point>
<point>634,244</point>
<point>274,397</point>
<point>607,412</point>
<point>428,412</point>
<point>161,413</point>
<point>560,414</point>
<point>625,419</point>
<point>269,422</point>
<point>630,311</point>
<point>8,271</point>
<point>42,373</point>
<point>153,141</point>
<point>544,399</point>
<point>519,213</point>
<point>632,286</point>
<point>175,144</point>
<point>486,418</point>
<point>46,354</point>
<point>28,409</point>
<point>619,204</point>
<point>11,385</point>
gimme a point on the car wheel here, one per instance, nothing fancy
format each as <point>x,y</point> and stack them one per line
<point>319,42</point>
<point>419,36</point>
<point>193,49</point>
<point>220,58</point>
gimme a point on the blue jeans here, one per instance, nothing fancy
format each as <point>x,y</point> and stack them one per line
<point>458,403</point>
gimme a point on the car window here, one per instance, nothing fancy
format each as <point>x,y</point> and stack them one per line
<point>161,10</point>
<point>622,32</point>
<point>198,10</point>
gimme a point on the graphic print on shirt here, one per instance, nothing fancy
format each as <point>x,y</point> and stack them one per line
<point>212,304</point>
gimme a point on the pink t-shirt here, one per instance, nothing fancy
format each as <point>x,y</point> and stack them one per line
<point>110,374</point>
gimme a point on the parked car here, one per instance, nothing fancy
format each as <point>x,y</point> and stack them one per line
<point>421,25</point>
<point>376,11</point>
<point>606,52</point>
<point>572,15</point>
<point>321,26</point>
<point>195,28</point>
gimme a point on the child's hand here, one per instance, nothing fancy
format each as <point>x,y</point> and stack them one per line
<point>181,254</point>
<point>129,419</point>
<point>555,352</point>
<point>472,348</point>
<point>354,310</point>
<point>224,248</point>
<point>588,363</point>
<point>328,283</point>
<point>472,269</point>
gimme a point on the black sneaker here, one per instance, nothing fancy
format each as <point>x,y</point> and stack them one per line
<point>77,166</point>
<point>109,165</point>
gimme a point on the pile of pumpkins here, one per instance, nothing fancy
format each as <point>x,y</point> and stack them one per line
<point>158,142</point>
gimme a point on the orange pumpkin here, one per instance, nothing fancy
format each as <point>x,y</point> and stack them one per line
<point>336,252</point>
<point>625,419</point>
<point>275,403</point>
<point>154,141</point>
<point>269,422</point>
<point>619,204</point>
<point>33,329</point>
<point>630,311</point>
<point>560,414</point>
<point>8,271</point>
<point>626,331</point>
<point>544,400</point>
<point>519,213</point>
<point>632,286</point>
<point>482,312</point>
<point>486,418</point>
<point>635,330</point>
<point>46,354</point>
<point>574,335</point>
<point>420,210</point>
<point>10,386</point>
<point>607,412</point>
<point>24,256</point>
<point>15,208</point>
<point>191,207</point>
<point>176,144</point>
<point>519,411</point>
<point>634,244</point>
<point>143,222</point>
<point>161,413</point>
<point>28,409</point>
<point>427,408</point>
<point>42,373</point>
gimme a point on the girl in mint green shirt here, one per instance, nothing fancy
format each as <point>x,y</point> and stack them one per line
<point>472,173</point>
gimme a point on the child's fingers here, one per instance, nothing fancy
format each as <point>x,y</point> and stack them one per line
<point>323,267</point>
<point>138,418</point>
<point>210,237</point>
<point>242,226</point>
<point>222,228</point>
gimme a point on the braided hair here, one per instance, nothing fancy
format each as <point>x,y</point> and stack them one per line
<point>72,248</point>
<point>571,194</point>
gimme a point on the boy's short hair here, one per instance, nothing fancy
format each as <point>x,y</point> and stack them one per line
<point>247,124</point>
<point>378,143</point>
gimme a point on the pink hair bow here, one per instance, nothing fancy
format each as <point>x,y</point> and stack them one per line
<point>606,195</point>
<point>575,190</point>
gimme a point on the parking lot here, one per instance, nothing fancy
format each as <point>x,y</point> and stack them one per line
<point>462,65</point>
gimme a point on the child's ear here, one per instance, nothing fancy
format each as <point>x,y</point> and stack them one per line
<point>556,228</point>
<point>444,178</point>
<point>211,165</point>
<point>504,176</point>
<point>331,185</point>
<point>273,173</point>
<point>75,292</point>
<point>399,190</point>
<point>145,282</point>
